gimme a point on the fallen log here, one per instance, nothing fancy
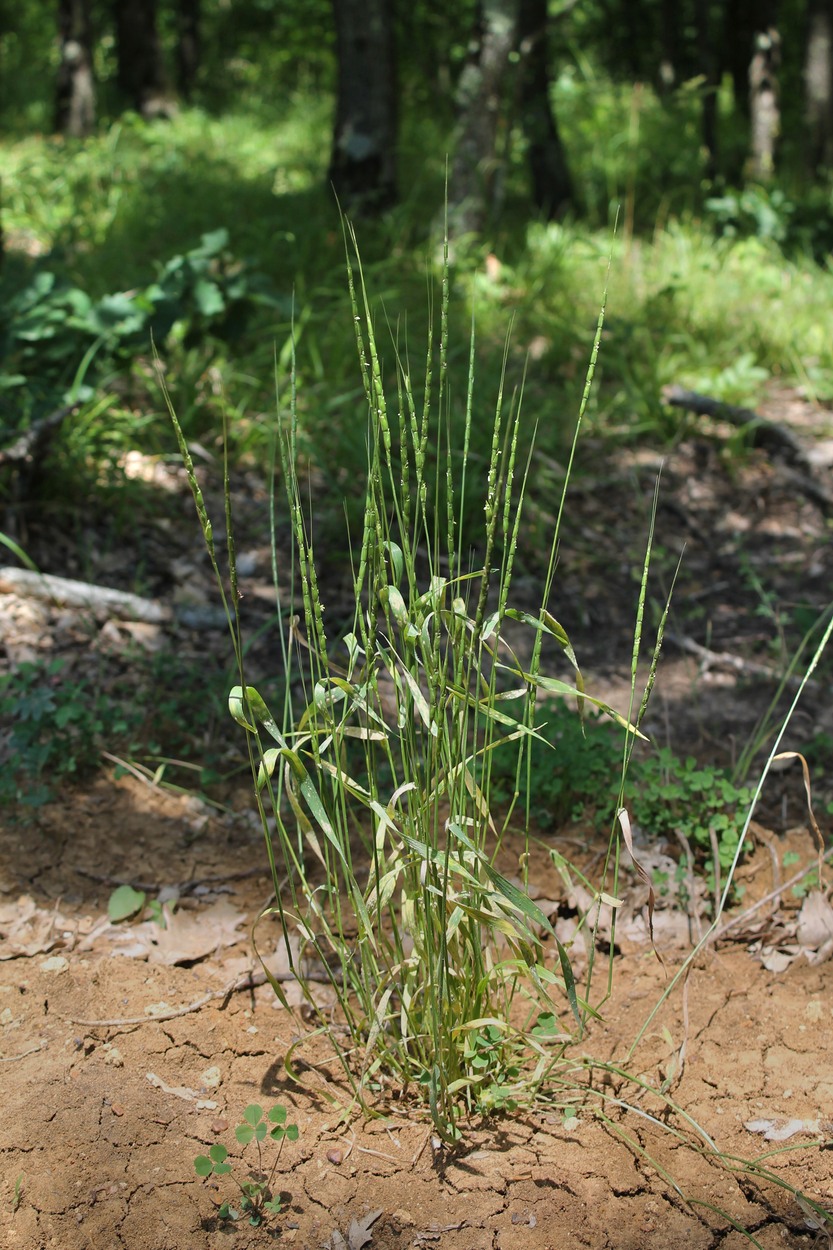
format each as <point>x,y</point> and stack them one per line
<point>769,435</point>
<point>103,600</point>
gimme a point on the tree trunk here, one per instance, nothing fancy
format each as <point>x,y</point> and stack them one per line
<point>188,47</point>
<point>552,188</point>
<point>739,27</point>
<point>479,96</point>
<point>75,90</point>
<point>363,158</point>
<point>708,68</point>
<point>764,110</point>
<point>140,74</point>
<point>818,85</point>
<point>668,73</point>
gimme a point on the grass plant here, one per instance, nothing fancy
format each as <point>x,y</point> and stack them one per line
<point>374,780</point>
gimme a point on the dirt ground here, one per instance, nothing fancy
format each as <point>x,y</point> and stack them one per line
<point>108,1095</point>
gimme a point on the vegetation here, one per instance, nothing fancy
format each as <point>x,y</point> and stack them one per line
<point>181,248</point>
<point>257,1201</point>
<point>425,942</point>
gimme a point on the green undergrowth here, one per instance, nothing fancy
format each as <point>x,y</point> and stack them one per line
<point>219,235</point>
<point>573,777</point>
<point>55,722</point>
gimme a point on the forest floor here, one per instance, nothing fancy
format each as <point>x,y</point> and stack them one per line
<point>108,1095</point>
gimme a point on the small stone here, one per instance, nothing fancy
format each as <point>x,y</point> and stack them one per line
<point>218,1125</point>
<point>335,1157</point>
<point>6,1016</point>
<point>117,1109</point>
<point>211,1078</point>
<point>56,963</point>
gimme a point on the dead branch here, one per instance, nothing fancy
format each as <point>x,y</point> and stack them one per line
<point>23,1054</point>
<point>120,604</point>
<point>31,445</point>
<point>725,659</point>
<point>182,887</point>
<point>248,981</point>
<point>762,433</point>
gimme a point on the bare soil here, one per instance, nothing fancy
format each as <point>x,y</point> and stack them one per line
<point>101,1121</point>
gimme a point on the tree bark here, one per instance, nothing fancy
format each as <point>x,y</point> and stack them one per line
<point>818,85</point>
<point>552,189</point>
<point>480,94</point>
<point>188,49</point>
<point>363,158</point>
<point>737,37</point>
<point>668,72</point>
<point>140,73</point>
<point>764,108</point>
<point>75,89</point>
<point>708,68</point>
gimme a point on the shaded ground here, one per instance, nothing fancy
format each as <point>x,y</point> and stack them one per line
<point>97,1155</point>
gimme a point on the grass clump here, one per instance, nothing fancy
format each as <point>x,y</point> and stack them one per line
<point>374,781</point>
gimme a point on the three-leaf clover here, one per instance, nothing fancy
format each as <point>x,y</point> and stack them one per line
<point>214,1162</point>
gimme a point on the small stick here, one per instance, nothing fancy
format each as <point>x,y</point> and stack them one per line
<point>22,1055</point>
<point>744,915</point>
<point>184,887</point>
<point>248,981</point>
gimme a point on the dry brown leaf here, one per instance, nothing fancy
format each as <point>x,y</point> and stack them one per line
<point>359,1233</point>
<point>815,921</point>
<point>26,929</point>
<point>188,937</point>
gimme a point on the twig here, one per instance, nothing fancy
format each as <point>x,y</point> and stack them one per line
<point>32,443</point>
<point>723,659</point>
<point>248,981</point>
<point>767,898</point>
<point>22,1055</point>
<point>693,912</point>
<point>184,887</point>
<point>716,865</point>
<point>422,1146</point>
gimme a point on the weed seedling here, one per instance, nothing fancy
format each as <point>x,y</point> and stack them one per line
<point>257,1200</point>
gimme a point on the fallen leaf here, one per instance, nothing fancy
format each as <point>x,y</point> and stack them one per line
<point>359,1233</point>
<point>189,935</point>
<point>783,1130</point>
<point>26,929</point>
<point>814,928</point>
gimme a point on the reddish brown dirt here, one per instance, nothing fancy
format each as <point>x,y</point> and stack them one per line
<point>98,1157</point>
<point>105,1158</point>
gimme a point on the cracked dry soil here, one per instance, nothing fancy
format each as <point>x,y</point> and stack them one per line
<point>101,1158</point>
